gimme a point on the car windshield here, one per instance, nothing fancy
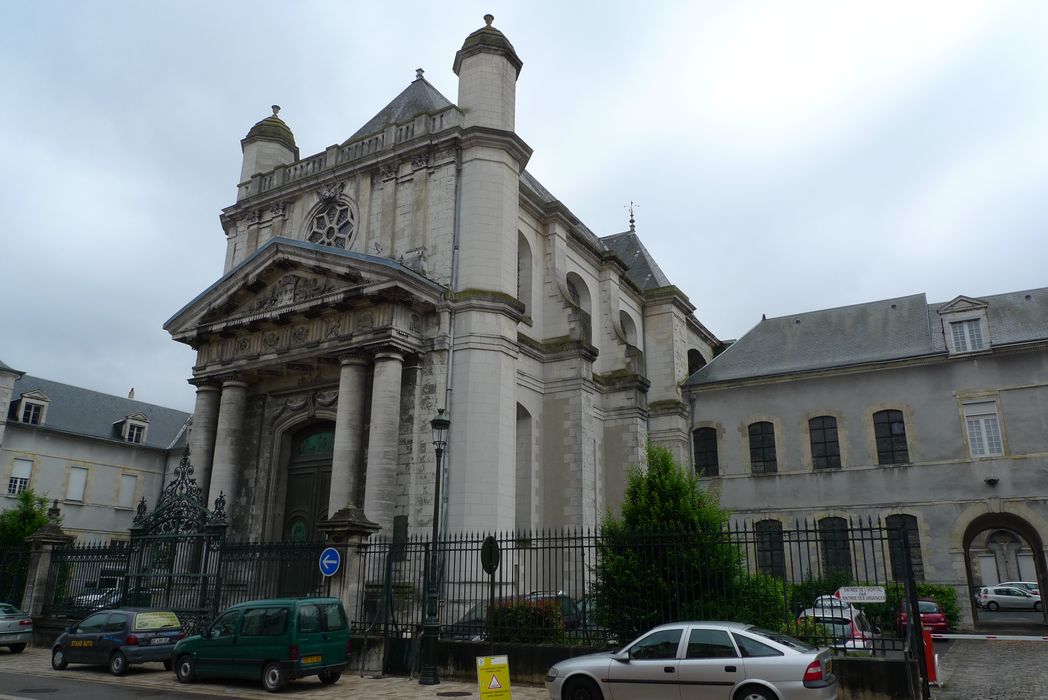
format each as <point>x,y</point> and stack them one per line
<point>927,606</point>
<point>7,609</point>
<point>834,626</point>
<point>782,639</point>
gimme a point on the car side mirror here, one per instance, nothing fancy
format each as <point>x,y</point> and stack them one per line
<point>622,657</point>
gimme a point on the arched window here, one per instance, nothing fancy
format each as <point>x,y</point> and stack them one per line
<point>897,525</point>
<point>835,545</point>
<point>825,449</point>
<point>580,297</point>
<point>629,329</point>
<point>771,553</point>
<point>762,448</point>
<point>704,442</point>
<point>695,361</point>
<point>525,470</point>
<point>890,430</point>
<point>524,271</point>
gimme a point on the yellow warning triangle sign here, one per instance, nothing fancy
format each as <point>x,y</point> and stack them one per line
<point>494,683</point>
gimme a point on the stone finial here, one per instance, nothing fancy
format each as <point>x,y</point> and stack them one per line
<point>418,73</point>
<point>54,513</point>
<point>276,110</point>
<point>488,19</point>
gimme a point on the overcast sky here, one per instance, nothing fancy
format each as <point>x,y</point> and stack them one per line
<point>786,156</point>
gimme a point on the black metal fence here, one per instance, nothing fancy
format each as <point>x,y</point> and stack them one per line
<point>600,588</point>
<point>14,566</point>
<point>185,574</point>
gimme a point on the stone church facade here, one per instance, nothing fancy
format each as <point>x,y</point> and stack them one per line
<point>414,267</point>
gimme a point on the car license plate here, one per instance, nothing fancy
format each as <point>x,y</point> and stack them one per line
<point>312,659</point>
<point>8,637</point>
<point>160,640</point>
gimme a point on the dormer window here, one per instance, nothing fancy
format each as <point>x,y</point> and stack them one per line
<point>967,335</point>
<point>964,326</point>
<point>32,408</point>
<point>133,428</point>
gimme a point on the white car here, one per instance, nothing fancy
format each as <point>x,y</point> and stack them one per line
<point>699,659</point>
<point>1028,586</point>
<point>16,628</point>
<point>997,597</point>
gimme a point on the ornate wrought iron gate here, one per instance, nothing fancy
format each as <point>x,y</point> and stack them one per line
<point>174,557</point>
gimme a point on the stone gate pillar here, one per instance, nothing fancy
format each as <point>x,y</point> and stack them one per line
<point>41,544</point>
<point>348,532</point>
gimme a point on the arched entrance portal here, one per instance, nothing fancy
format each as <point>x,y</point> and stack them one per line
<point>308,481</point>
<point>1003,547</point>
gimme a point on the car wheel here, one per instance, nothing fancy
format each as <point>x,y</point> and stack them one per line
<point>581,689</point>
<point>118,663</point>
<point>167,664</point>
<point>19,648</point>
<point>754,692</point>
<point>58,659</point>
<point>329,677</point>
<point>273,678</point>
<point>185,669</point>
<point>992,606</point>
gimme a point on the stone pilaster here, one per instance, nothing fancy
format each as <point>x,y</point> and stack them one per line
<point>380,490</point>
<point>226,465</point>
<point>202,434</point>
<point>349,434</point>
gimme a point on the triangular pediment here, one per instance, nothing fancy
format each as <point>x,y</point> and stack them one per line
<point>138,417</point>
<point>961,304</point>
<point>35,395</point>
<point>286,278</point>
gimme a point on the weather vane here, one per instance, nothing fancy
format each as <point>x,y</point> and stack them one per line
<point>631,208</point>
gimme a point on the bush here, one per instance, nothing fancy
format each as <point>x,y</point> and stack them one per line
<point>526,621</point>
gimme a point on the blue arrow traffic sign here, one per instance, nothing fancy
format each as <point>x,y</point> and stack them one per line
<point>330,560</point>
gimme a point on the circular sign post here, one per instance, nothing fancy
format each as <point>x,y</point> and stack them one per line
<point>330,560</point>
<point>490,555</point>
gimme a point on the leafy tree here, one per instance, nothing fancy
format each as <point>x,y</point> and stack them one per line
<point>28,515</point>
<point>670,556</point>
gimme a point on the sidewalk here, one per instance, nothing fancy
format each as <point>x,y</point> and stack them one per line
<point>153,676</point>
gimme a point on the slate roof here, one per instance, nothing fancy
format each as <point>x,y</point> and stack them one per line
<point>6,368</point>
<point>643,270</point>
<point>73,409</point>
<point>418,98</point>
<point>879,331</point>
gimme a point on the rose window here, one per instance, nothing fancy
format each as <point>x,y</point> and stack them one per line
<point>332,225</point>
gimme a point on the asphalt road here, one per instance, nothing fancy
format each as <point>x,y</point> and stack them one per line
<point>28,686</point>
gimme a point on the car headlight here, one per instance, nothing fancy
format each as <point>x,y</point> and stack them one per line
<point>551,674</point>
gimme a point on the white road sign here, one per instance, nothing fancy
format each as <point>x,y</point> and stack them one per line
<point>861,594</point>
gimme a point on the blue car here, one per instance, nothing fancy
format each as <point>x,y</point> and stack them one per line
<point>119,638</point>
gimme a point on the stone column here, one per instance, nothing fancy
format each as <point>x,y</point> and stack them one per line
<point>349,434</point>
<point>202,434</point>
<point>41,544</point>
<point>380,488</point>
<point>229,437</point>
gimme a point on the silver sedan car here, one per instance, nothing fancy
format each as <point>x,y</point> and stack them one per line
<point>16,628</point>
<point>714,660</point>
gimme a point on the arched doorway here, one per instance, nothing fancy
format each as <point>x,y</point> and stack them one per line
<point>1003,547</point>
<point>308,481</point>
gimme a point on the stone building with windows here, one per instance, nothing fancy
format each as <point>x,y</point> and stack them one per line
<point>930,416</point>
<point>98,454</point>
<point>417,266</point>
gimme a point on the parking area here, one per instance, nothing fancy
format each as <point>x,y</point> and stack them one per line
<point>152,677</point>
<point>975,669</point>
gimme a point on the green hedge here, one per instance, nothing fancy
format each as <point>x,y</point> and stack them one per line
<point>526,621</point>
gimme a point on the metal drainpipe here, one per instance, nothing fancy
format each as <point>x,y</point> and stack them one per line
<point>451,333</point>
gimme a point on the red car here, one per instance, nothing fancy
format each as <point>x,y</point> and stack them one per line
<point>932,617</point>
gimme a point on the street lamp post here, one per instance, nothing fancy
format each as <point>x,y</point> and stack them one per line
<point>431,627</point>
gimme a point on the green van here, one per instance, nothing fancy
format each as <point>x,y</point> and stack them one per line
<point>276,640</point>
